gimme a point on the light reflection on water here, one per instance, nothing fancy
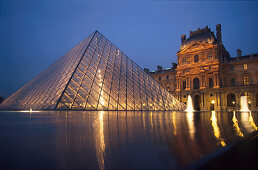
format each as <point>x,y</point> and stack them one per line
<point>104,139</point>
<point>236,126</point>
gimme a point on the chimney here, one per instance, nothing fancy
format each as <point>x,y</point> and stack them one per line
<point>146,70</point>
<point>218,32</point>
<point>239,53</point>
<point>183,37</point>
<point>251,56</point>
<point>174,66</point>
<point>159,68</point>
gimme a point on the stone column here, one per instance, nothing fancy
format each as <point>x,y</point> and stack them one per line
<point>215,80</point>
<point>177,85</point>
<point>202,85</point>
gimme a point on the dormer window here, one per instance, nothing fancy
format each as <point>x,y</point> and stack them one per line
<point>209,56</point>
<point>184,61</point>
<point>196,58</point>
<point>231,68</point>
<point>245,66</point>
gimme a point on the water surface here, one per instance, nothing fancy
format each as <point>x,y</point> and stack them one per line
<point>104,139</point>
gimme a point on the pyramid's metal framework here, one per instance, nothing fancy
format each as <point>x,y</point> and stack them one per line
<point>94,75</point>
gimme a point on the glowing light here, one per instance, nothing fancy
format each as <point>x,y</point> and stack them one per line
<point>174,122</point>
<point>251,120</point>
<point>213,101</point>
<point>243,104</point>
<point>223,143</point>
<point>216,128</point>
<point>189,106</point>
<point>235,121</point>
<point>99,139</point>
<point>249,102</point>
<point>190,120</point>
<point>151,120</point>
<point>245,121</point>
<point>233,102</point>
<point>28,111</point>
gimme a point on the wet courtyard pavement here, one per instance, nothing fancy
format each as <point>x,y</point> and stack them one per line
<point>117,139</point>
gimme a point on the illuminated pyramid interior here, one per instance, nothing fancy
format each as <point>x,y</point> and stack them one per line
<point>94,75</point>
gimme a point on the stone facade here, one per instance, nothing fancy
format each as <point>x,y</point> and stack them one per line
<point>207,73</point>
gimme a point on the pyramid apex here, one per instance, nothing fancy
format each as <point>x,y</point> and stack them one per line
<point>94,76</point>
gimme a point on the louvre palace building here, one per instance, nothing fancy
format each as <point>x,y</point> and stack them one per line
<point>206,71</point>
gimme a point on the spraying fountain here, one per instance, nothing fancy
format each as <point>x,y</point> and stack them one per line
<point>244,104</point>
<point>189,106</point>
<point>245,114</point>
<point>190,116</point>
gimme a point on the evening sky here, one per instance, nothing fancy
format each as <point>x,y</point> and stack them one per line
<point>34,34</point>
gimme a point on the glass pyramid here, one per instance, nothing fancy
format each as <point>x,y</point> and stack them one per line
<point>94,75</point>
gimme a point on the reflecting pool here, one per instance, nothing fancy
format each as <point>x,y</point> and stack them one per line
<point>102,139</point>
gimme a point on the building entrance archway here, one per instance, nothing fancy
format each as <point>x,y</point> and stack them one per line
<point>231,100</point>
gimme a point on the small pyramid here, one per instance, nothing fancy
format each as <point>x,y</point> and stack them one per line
<point>94,75</point>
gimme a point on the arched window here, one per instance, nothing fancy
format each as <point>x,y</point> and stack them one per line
<point>196,83</point>
<point>231,100</point>
<point>196,58</point>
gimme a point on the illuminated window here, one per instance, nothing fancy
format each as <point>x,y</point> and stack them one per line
<point>196,58</point>
<point>167,87</point>
<point>245,66</point>
<point>209,56</point>
<point>246,80</point>
<point>232,68</point>
<point>233,82</point>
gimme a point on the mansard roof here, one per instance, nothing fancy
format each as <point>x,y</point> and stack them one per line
<point>203,35</point>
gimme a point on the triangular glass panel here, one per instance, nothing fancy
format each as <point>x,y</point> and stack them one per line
<point>94,75</point>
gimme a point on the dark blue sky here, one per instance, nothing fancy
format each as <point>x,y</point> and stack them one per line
<point>34,34</point>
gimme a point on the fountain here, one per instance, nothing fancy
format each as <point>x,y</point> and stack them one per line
<point>243,104</point>
<point>189,106</point>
